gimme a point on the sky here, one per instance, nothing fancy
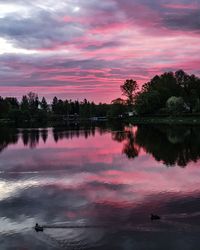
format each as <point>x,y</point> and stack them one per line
<point>77,49</point>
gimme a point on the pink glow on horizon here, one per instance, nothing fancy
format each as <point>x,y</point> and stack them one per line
<point>192,6</point>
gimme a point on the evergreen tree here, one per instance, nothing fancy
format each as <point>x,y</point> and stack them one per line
<point>44,105</point>
<point>24,103</point>
<point>54,105</point>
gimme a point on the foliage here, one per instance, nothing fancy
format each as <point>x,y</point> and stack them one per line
<point>175,105</point>
<point>31,109</point>
<point>44,105</point>
<point>167,85</point>
<point>24,103</point>
<point>129,89</point>
<point>4,107</point>
<point>117,110</point>
<point>33,102</point>
<point>147,102</point>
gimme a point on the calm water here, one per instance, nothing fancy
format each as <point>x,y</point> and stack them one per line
<point>106,181</point>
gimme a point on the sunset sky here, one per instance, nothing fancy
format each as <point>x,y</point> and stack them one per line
<point>86,48</point>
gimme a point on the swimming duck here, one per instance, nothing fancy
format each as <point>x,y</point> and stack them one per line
<point>155,217</point>
<point>38,228</point>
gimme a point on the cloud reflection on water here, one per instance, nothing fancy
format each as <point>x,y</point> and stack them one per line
<point>89,179</point>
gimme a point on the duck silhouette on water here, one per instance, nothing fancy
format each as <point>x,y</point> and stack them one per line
<point>155,217</point>
<point>38,228</point>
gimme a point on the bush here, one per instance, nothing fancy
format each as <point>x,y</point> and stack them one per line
<point>175,105</point>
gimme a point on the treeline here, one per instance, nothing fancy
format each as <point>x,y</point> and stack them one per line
<point>32,109</point>
<point>169,93</point>
<point>166,94</point>
<point>84,109</point>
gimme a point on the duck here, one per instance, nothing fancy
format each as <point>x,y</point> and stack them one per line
<point>155,217</point>
<point>38,228</point>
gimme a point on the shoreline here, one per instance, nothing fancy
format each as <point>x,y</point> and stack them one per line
<point>170,120</point>
<point>167,120</point>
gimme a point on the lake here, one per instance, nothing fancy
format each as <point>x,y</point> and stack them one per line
<point>94,187</point>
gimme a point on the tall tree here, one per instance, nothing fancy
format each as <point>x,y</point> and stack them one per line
<point>54,104</point>
<point>13,102</point>
<point>33,101</point>
<point>24,103</point>
<point>4,107</point>
<point>43,104</point>
<point>129,89</point>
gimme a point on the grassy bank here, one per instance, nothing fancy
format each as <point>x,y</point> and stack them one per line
<point>192,120</point>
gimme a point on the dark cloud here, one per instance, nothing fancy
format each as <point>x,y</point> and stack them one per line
<point>187,21</point>
<point>42,30</point>
<point>103,45</point>
<point>178,15</point>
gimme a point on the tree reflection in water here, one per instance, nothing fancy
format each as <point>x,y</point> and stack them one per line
<point>8,136</point>
<point>127,137</point>
<point>75,131</point>
<point>173,145</point>
<point>31,137</point>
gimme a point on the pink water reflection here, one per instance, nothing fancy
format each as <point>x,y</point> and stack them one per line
<point>98,159</point>
<point>92,177</point>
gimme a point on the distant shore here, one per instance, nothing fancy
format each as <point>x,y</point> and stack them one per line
<point>176,120</point>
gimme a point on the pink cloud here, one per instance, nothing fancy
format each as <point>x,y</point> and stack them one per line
<point>191,6</point>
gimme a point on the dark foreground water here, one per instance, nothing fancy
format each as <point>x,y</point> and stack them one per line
<point>106,181</point>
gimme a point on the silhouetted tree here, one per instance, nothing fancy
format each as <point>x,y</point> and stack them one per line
<point>44,105</point>
<point>4,107</point>
<point>33,102</point>
<point>117,109</point>
<point>54,105</point>
<point>24,103</point>
<point>165,86</point>
<point>147,102</point>
<point>14,104</point>
<point>129,89</point>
